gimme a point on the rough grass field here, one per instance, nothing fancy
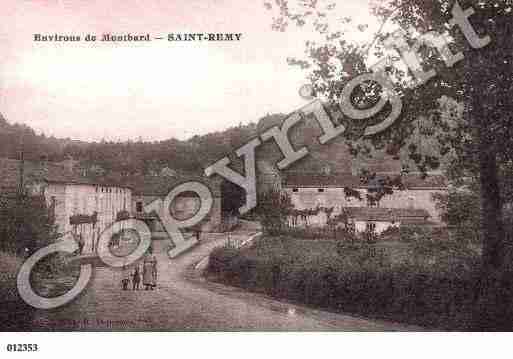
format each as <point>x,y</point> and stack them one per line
<point>9,266</point>
<point>53,276</point>
<point>50,277</point>
<point>15,314</point>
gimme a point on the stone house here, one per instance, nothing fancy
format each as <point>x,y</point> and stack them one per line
<point>148,189</point>
<point>313,191</point>
<point>80,204</point>
<point>378,220</point>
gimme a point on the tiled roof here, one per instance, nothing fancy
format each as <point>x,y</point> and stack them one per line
<point>50,172</point>
<point>57,173</point>
<point>348,180</point>
<point>161,186</point>
<point>430,181</point>
<point>320,180</point>
<point>386,214</point>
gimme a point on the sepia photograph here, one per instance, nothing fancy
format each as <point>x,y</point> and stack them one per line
<point>263,166</point>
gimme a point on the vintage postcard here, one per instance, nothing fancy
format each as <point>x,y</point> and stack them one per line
<point>255,166</point>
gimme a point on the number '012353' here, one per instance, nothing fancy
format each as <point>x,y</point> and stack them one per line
<point>22,347</point>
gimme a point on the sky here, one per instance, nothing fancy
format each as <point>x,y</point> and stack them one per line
<point>155,90</point>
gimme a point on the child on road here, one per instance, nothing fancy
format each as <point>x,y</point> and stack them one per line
<point>136,279</point>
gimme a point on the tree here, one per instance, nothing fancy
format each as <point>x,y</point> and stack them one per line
<point>274,208</point>
<point>479,137</point>
<point>25,223</point>
<point>460,209</point>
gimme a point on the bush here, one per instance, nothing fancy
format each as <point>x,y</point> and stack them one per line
<point>15,314</point>
<point>220,259</point>
<point>25,223</point>
<point>313,233</point>
<point>432,286</point>
<point>466,233</point>
<point>415,233</point>
<point>391,232</point>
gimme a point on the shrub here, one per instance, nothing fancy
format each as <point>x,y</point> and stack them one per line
<point>15,314</point>
<point>391,232</point>
<point>221,258</point>
<point>415,233</point>
<point>313,233</point>
<point>432,286</point>
<point>25,222</point>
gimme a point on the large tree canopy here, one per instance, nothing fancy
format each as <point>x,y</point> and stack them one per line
<point>431,122</point>
<point>450,63</point>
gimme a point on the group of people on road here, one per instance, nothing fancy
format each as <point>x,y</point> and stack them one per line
<point>147,273</point>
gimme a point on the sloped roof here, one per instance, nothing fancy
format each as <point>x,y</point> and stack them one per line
<point>348,180</point>
<point>34,171</point>
<point>161,186</point>
<point>298,179</point>
<point>386,214</point>
<point>50,172</point>
<point>430,181</point>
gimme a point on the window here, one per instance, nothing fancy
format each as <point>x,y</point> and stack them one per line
<point>370,227</point>
<point>295,190</point>
<point>372,202</point>
<point>139,207</point>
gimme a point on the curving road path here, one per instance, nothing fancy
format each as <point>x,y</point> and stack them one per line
<point>184,301</point>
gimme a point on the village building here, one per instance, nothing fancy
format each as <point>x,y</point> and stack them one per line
<point>313,195</point>
<point>86,206</point>
<point>148,189</point>
<point>377,220</point>
<point>80,205</point>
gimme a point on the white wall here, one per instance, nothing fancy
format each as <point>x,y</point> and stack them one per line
<point>334,197</point>
<point>73,199</point>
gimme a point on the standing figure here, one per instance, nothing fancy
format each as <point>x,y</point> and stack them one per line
<point>154,273</point>
<point>125,281</point>
<point>136,279</point>
<point>149,272</point>
<point>81,244</point>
